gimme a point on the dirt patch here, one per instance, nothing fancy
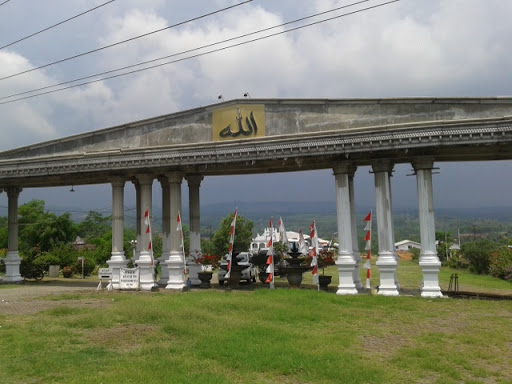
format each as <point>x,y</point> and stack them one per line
<point>28,299</point>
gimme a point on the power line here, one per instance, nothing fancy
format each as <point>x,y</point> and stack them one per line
<point>54,25</point>
<point>124,41</point>
<point>183,52</point>
<point>6,1</point>
<point>188,57</point>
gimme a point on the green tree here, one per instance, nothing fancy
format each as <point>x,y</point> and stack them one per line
<point>94,225</point>
<point>243,235</point>
<point>41,229</point>
<point>478,254</point>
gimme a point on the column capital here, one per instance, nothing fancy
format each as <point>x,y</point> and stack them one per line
<point>14,191</point>
<point>382,165</point>
<point>144,178</point>
<point>117,181</point>
<point>344,167</point>
<point>194,180</point>
<point>174,177</point>
<point>423,163</point>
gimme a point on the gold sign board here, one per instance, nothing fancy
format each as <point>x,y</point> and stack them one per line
<point>240,122</point>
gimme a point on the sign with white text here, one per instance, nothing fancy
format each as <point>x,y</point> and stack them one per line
<point>129,278</point>
<point>104,274</point>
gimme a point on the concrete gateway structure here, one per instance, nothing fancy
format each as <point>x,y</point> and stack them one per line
<point>261,136</point>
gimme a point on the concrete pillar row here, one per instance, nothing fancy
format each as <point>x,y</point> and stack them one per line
<point>386,262</point>
<point>346,262</point>
<point>194,183</point>
<point>176,261</point>
<point>355,243</point>
<point>117,258</point>
<point>146,262</point>
<point>429,261</point>
<point>12,260</point>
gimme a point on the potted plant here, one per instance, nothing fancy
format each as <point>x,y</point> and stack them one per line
<point>209,263</point>
<point>324,259</point>
<point>67,271</point>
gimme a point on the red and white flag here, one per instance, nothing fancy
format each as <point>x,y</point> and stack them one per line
<point>179,228</point>
<point>303,246</point>
<point>270,256</point>
<point>368,247</point>
<point>147,222</point>
<point>231,242</point>
<point>283,238</point>
<point>314,253</point>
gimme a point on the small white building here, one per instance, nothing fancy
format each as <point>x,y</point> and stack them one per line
<point>406,245</point>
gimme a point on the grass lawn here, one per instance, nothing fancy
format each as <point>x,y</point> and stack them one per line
<point>261,336</point>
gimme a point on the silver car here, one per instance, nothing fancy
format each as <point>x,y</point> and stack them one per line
<point>244,259</point>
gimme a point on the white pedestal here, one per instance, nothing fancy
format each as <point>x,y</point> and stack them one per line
<point>387,269</point>
<point>116,262</point>
<point>12,267</point>
<point>176,266</point>
<point>146,272</point>
<point>430,287</point>
<point>346,265</point>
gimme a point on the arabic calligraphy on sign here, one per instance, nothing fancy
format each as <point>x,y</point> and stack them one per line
<point>240,122</point>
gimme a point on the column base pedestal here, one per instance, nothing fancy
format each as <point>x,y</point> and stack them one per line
<point>430,286</point>
<point>387,269</point>
<point>193,271</point>
<point>116,262</point>
<point>176,267</point>
<point>164,271</point>
<point>12,268</point>
<point>346,284</point>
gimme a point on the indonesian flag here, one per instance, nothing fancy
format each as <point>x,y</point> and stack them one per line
<point>314,252</point>
<point>270,258</point>
<point>282,233</point>
<point>179,228</point>
<point>231,241</point>
<point>148,232</point>
<point>368,248</point>
<point>303,247</point>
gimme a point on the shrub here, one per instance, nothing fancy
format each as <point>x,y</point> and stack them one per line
<point>500,264</point>
<point>45,260</point>
<point>478,254</point>
<point>89,265</point>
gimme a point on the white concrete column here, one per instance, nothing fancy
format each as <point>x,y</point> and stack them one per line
<point>146,262</point>
<point>390,175</point>
<point>138,214</point>
<point>429,261</point>
<point>355,245</point>
<point>345,263</point>
<point>386,262</point>
<point>166,228</point>
<point>117,258</point>
<point>194,182</point>
<point>12,260</point>
<point>176,260</point>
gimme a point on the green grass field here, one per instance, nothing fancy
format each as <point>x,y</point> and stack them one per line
<point>262,336</point>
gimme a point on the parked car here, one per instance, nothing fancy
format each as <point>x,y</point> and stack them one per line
<point>245,259</point>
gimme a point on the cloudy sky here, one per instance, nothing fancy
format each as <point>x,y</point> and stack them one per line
<point>406,48</point>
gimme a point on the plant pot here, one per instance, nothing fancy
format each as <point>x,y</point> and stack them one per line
<point>294,279</point>
<point>324,281</point>
<point>67,272</point>
<point>262,275</point>
<point>205,278</point>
